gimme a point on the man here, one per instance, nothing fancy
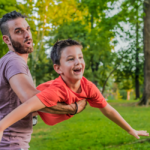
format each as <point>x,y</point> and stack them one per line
<point>16,85</point>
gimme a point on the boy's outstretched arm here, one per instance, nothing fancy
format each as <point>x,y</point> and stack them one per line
<point>33,104</point>
<point>113,115</point>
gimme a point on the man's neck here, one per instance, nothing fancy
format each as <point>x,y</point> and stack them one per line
<point>24,56</point>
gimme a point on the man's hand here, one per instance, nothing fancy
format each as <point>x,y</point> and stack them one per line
<point>78,107</point>
<point>63,108</point>
<point>137,133</point>
<point>81,105</point>
<point>1,134</point>
<point>35,114</point>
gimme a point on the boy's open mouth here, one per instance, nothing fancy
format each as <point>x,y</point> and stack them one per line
<point>77,70</point>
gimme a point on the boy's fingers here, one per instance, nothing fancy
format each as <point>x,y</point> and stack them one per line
<point>136,134</point>
<point>143,133</point>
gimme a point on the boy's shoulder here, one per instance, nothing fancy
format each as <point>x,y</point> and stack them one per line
<point>45,85</point>
<point>86,81</point>
<point>87,85</point>
<point>56,82</point>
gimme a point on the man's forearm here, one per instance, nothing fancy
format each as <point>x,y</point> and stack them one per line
<point>63,108</point>
<point>60,108</point>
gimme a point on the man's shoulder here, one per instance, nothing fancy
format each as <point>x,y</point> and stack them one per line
<point>12,64</point>
<point>12,57</point>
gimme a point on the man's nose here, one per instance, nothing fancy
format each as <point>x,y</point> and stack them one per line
<point>27,34</point>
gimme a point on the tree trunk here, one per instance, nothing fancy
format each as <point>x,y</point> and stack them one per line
<point>137,93</point>
<point>128,94</point>
<point>94,66</point>
<point>103,89</point>
<point>146,34</point>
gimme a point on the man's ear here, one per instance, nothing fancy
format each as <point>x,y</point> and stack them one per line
<point>6,39</point>
<point>57,68</point>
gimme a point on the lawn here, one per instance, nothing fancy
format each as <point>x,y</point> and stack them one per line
<point>91,130</point>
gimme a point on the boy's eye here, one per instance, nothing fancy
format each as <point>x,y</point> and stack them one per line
<point>70,59</point>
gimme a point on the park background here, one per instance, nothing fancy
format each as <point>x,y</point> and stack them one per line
<point>115,39</point>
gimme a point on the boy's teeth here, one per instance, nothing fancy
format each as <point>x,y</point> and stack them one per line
<point>78,70</point>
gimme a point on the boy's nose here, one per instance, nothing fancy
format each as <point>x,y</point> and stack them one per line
<point>77,61</point>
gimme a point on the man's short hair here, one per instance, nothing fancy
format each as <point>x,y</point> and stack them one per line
<point>59,46</point>
<point>7,17</point>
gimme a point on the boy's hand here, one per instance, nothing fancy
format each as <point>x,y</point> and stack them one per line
<point>137,133</point>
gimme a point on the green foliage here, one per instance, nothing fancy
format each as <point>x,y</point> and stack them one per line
<point>118,96</point>
<point>5,7</point>
<point>132,56</point>
<point>91,23</point>
<point>94,34</point>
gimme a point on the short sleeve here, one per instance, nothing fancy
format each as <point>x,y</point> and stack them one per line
<point>52,95</point>
<point>15,66</point>
<point>96,98</point>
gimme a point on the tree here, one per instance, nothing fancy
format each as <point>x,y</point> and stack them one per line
<point>146,33</point>
<point>89,25</point>
<point>131,15</point>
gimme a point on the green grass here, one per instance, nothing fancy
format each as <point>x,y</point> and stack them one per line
<point>91,130</point>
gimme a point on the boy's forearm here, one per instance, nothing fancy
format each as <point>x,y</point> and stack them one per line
<point>113,115</point>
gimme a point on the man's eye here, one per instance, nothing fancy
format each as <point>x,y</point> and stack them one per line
<point>28,29</point>
<point>81,57</point>
<point>19,31</point>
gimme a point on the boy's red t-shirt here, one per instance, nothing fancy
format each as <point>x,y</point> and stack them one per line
<point>56,91</point>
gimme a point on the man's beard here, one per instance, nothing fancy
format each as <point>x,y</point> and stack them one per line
<point>19,48</point>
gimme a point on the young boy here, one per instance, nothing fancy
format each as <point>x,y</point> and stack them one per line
<point>68,62</point>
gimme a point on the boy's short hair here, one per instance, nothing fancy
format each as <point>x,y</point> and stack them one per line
<point>59,46</point>
<point>9,16</point>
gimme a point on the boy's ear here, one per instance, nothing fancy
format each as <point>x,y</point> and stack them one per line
<point>57,68</point>
<point>6,39</point>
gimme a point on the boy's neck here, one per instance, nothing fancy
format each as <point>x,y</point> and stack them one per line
<point>75,86</point>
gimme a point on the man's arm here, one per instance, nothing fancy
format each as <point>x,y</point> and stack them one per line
<point>66,109</point>
<point>113,115</point>
<point>23,86</point>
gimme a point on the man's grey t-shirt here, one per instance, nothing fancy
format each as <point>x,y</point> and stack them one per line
<point>18,135</point>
